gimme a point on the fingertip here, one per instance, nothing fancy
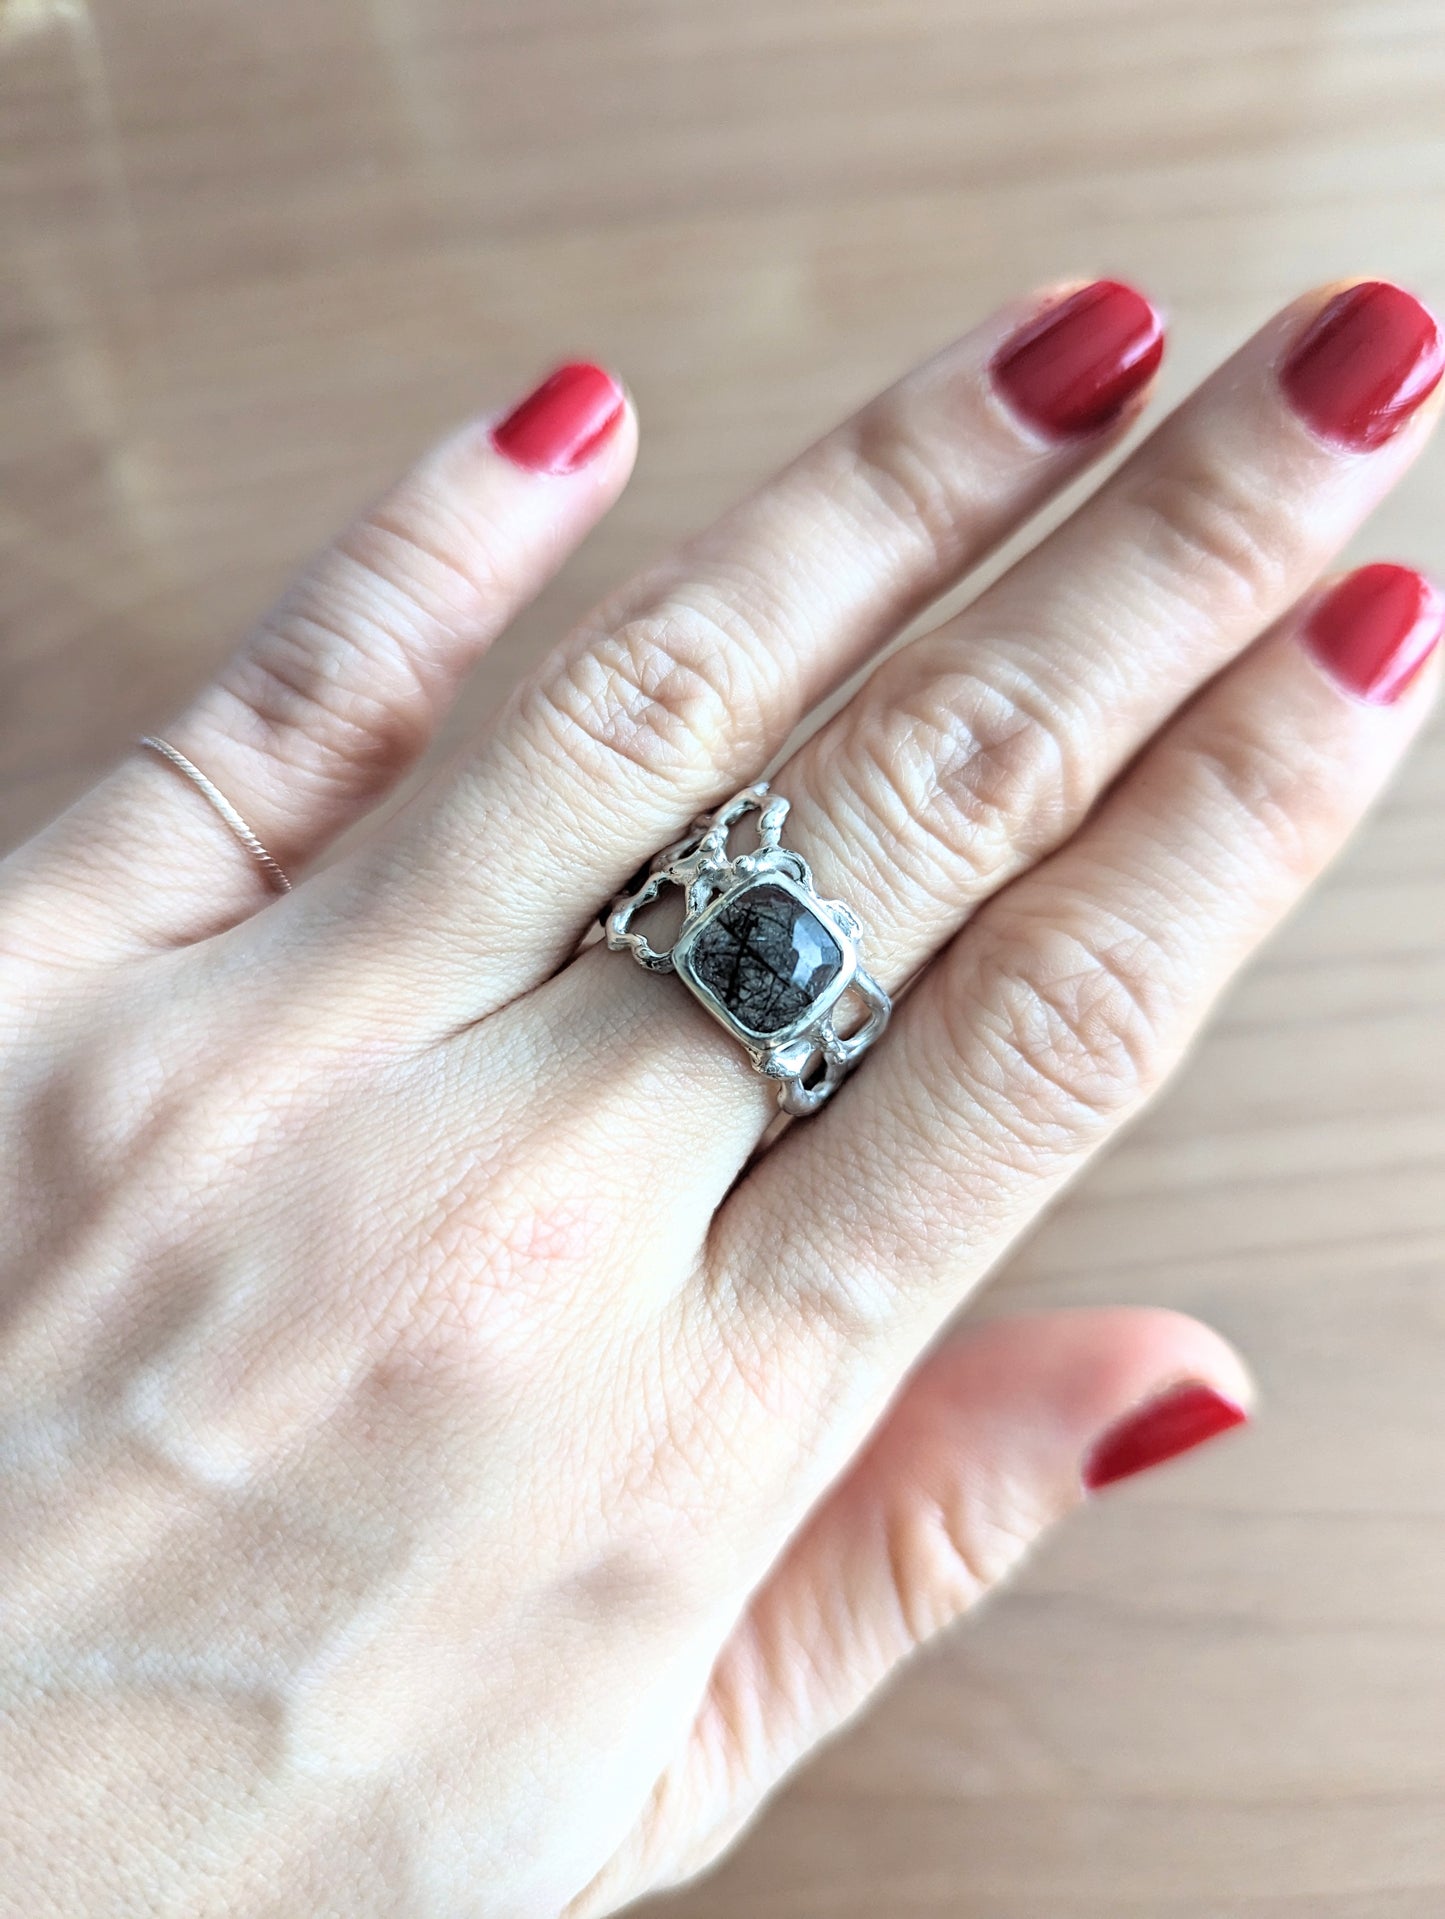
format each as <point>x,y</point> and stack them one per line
<point>1176,1385</point>
<point>1178,1419</point>
<point>1074,1399</point>
<point>566,423</point>
<point>1374,631</point>
<point>1082,364</point>
<point>1157,1344</point>
<point>1090,1363</point>
<point>1364,359</point>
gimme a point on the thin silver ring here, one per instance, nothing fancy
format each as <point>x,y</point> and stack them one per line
<point>769,959</point>
<point>212,793</point>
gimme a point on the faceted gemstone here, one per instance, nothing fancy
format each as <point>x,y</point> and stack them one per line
<point>766,957</point>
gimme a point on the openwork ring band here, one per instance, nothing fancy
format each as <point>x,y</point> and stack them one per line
<point>770,960</point>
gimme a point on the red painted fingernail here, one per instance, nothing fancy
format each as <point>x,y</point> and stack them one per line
<point>565,423</point>
<point>1178,1420</point>
<point>1076,366</point>
<point>1364,364</point>
<point>1375,629</point>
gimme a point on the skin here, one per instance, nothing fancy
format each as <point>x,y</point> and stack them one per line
<point>436,1478</point>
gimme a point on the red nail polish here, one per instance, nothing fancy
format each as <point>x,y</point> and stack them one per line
<point>561,426</point>
<point>1375,629</point>
<point>1076,366</point>
<point>1178,1420</point>
<point>1364,364</point>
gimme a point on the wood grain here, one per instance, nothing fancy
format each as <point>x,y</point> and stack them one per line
<point>253,256</point>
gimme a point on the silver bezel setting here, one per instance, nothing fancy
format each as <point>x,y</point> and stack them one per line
<point>697,926</point>
<point>809,1057</point>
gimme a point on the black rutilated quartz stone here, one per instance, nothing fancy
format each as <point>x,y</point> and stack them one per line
<point>766,957</point>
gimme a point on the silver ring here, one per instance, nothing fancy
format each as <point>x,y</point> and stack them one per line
<point>769,959</point>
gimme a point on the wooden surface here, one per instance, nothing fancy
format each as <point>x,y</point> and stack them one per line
<point>252,255</point>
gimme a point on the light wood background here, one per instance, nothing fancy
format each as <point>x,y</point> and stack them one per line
<point>253,254</point>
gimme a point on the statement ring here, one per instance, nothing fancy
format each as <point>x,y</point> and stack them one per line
<point>769,959</point>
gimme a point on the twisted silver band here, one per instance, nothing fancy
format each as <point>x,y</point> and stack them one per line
<point>769,959</point>
<point>213,795</point>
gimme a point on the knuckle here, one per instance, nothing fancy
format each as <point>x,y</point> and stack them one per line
<point>1077,1033</point>
<point>427,561</point>
<point>669,692</point>
<point>1284,797</point>
<point>901,490</point>
<point>350,667</point>
<point>932,1570</point>
<point>324,692</point>
<point>946,1552</point>
<point>1214,533</point>
<point>963,777</point>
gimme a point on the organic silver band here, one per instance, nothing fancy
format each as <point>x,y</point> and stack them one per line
<point>212,793</point>
<point>769,959</point>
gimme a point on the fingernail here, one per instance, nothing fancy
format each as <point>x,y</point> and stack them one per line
<point>1364,364</point>
<point>1375,629</point>
<point>1178,1420</point>
<point>1076,366</point>
<point>565,423</point>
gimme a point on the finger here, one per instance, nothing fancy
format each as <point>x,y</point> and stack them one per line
<point>975,751</point>
<point>339,689</point>
<point>1000,1434</point>
<point>1069,998</point>
<point>690,679</point>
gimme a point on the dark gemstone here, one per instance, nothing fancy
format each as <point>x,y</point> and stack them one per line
<point>766,957</point>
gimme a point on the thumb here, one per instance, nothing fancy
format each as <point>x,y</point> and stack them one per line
<point>1003,1430</point>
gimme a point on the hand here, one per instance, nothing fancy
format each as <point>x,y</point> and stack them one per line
<point>446,1469</point>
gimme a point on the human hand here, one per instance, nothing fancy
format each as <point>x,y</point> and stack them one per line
<point>445,1472</point>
